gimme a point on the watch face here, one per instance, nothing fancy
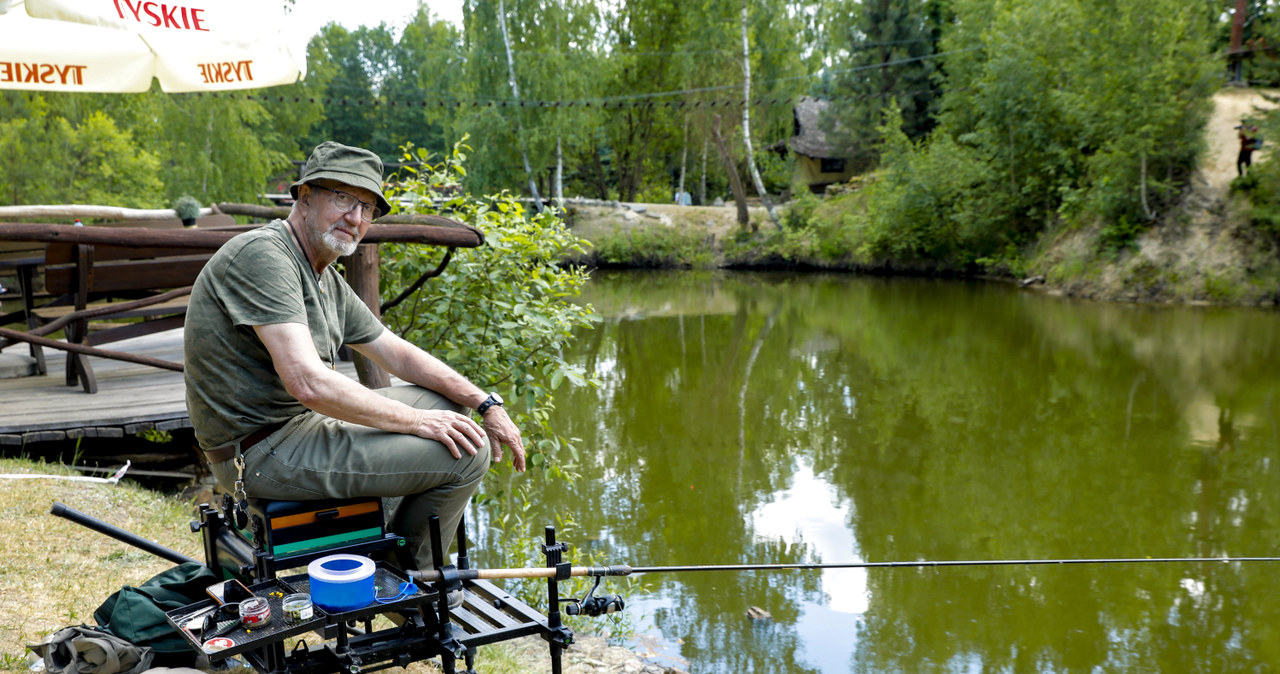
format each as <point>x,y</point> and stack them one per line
<point>496,398</point>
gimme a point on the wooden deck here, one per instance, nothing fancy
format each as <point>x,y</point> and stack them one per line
<point>131,398</point>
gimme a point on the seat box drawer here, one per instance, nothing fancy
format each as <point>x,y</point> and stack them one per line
<point>296,526</point>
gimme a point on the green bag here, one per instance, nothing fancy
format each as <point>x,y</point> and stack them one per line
<point>137,614</point>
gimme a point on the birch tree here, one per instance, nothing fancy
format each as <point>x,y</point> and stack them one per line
<point>746,120</point>
<point>515,93</point>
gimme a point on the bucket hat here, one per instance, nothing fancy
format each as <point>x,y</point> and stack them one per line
<point>352,166</point>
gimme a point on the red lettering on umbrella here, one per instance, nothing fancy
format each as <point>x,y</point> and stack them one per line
<point>162,15</point>
<point>226,71</point>
<point>41,73</point>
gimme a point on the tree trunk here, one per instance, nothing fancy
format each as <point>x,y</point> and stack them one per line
<point>1235,50</point>
<point>1146,209</point>
<point>515,93</point>
<point>702,187</point>
<point>684,158</point>
<point>746,121</point>
<point>735,183</point>
<point>559,174</point>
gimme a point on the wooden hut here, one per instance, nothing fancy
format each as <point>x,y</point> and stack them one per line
<point>819,162</point>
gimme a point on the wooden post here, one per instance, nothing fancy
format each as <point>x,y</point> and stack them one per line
<point>362,274</point>
<point>1236,51</point>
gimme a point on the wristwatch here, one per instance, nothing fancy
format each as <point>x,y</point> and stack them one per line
<point>493,399</point>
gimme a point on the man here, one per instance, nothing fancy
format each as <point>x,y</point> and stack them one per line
<point>266,319</point>
<point>1248,143</point>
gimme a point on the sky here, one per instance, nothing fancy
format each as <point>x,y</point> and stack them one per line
<point>395,13</point>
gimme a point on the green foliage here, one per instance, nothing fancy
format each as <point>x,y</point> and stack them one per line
<point>776,171</point>
<point>53,150</point>
<point>654,246</point>
<point>928,202</point>
<point>156,436</point>
<point>864,36</point>
<point>1119,235</point>
<point>499,313</point>
<point>140,150</point>
<point>799,212</point>
<point>1072,110</point>
<point>816,232</point>
<point>1261,184</point>
<point>518,532</point>
<point>656,194</point>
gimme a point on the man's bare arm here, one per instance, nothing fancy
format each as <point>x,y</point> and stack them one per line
<point>412,364</point>
<point>319,388</point>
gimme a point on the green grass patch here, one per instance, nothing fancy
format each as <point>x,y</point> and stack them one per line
<point>655,246</point>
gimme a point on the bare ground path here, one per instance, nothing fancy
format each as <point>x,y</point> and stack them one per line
<point>1230,106</point>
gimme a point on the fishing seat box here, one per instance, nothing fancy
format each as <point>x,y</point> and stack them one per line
<point>285,528</point>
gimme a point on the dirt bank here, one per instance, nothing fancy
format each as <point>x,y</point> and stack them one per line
<point>1201,252</point>
<point>1230,107</point>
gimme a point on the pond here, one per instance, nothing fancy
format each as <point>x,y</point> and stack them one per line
<point>746,418</point>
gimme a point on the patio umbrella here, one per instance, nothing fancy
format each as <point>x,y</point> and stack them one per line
<point>120,45</point>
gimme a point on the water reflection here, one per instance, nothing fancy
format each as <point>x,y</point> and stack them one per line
<point>767,418</point>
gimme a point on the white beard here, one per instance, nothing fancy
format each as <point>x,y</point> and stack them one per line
<point>331,242</point>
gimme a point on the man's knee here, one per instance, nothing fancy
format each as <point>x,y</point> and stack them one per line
<point>479,464</point>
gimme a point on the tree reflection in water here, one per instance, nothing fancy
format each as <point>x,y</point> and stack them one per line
<point>770,418</point>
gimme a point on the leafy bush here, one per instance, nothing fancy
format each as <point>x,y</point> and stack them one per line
<point>499,313</point>
<point>775,171</point>
<point>1262,186</point>
<point>799,212</point>
<point>654,246</point>
<point>91,161</point>
<point>656,194</point>
<point>928,202</point>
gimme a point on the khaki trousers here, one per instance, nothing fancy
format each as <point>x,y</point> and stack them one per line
<point>316,457</point>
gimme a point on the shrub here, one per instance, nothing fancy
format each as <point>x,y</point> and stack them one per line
<point>654,246</point>
<point>499,313</point>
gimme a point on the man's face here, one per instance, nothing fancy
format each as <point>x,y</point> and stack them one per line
<point>332,228</point>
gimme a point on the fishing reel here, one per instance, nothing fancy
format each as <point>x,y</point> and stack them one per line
<point>594,606</point>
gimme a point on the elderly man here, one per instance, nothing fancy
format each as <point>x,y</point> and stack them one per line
<point>267,317</point>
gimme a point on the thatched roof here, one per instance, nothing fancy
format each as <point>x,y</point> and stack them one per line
<point>810,140</point>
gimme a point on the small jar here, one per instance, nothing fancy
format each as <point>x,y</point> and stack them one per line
<point>297,607</point>
<point>255,612</point>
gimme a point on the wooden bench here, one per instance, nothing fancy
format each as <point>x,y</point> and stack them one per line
<point>19,262</point>
<point>143,275</point>
<point>108,293</point>
<point>87,283</point>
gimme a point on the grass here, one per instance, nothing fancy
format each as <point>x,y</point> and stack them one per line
<point>55,573</point>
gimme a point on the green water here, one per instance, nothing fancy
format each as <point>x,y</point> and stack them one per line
<point>769,418</point>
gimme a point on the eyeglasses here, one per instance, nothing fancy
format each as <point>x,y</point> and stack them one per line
<point>346,203</point>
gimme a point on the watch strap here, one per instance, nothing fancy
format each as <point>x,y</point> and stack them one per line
<point>488,402</point>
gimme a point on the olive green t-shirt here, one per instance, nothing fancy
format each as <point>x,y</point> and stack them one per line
<point>259,278</point>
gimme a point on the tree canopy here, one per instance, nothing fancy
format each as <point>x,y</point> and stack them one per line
<point>986,122</point>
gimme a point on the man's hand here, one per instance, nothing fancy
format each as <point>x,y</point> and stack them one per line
<point>503,431</point>
<point>451,430</point>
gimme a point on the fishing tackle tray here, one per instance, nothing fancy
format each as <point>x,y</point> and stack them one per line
<point>387,581</point>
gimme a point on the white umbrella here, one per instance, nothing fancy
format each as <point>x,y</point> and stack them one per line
<point>120,45</point>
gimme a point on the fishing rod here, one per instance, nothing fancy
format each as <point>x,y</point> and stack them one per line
<point>626,570</point>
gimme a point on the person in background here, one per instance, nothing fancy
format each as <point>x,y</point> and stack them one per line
<point>1248,134</point>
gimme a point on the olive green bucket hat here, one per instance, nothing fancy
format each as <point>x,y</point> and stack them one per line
<point>348,165</point>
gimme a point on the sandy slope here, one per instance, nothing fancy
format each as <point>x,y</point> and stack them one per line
<point>1229,107</point>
